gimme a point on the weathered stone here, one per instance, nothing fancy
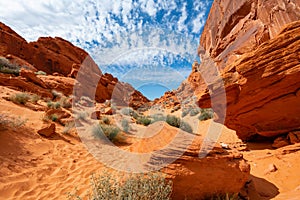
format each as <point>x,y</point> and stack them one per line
<point>48,130</point>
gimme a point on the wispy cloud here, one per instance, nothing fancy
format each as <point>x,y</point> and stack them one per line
<point>114,32</point>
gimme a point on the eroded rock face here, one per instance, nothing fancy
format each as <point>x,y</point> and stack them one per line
<point>263,88</point>
<point>237,27</point>
<point>60,58</point>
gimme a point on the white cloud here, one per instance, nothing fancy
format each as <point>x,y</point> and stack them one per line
<point>181,22</point>
<point>199,22</point>
<point>115,25</point>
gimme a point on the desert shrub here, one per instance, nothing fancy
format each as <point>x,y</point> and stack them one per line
<point>125,125</point>
<point>53,117</point>
<point>195,111</point>
<point>143,120</point>
<point>158,117</point>
<point>40,73</point>
<point>69,126</point>
<point>104,130</point>
<point>152,186</point>
<point>24,97</point>
<point>185,112</point>
<point>173,120</point>
<point>105,120</point>
<point>9,68</point>
<point>56,94</point>
<point>206,114</point>
<point>20,98</point>
<point>186,127</point>
<point>81,115</point>
<point>129,112</point>
<point>34,98</point>
<point>53,105</point>
<point>65,102</point>
<point>7,121</point>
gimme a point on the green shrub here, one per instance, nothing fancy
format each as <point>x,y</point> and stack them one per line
<point>9,68</point>
<point>185,112</point>
<point>81,115</point>
<point>20,98</point>
<point>40,73</point>
<point>53,117</point>
<point>56,94</point>
<point>173,120</point>
<point>206,114</point>
<point>129,112</point>
<point>186,127</point>
<point>65,102</point>
<point>143,120</point>
<point>195,111</point>
<point>53,105</point>
<point>125,125</point>
<point>104,130</point>
<point>157,117</point>
<point>107,186</point>
<point>34,98</point>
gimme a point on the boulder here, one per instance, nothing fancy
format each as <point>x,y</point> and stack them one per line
<point>48,130</point>
<point>280,142</point>
<point>31,77</point>
<point>194,177</point>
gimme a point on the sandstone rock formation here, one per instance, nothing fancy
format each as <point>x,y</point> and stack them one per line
<point>262,88</point>
<point>237,27</point>
<point>56,56</point>
<point>193,177</point>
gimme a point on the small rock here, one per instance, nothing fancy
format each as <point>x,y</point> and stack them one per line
<point>237,155</point>
<point>108,111</point>
<point>47,131</point>
<point>271,168</point>
<point>224,145</point>
<point>280,142</point>
<point>294,137</point>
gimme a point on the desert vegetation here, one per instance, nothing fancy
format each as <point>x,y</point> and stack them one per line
<point>206,114</point>
<point>7,67</point>
<point>24,97</point>
<point>135,186</point>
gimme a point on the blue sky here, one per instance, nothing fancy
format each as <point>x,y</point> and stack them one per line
<point>149,43</point>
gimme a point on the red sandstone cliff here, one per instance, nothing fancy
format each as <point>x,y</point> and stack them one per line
<point>57,56</point>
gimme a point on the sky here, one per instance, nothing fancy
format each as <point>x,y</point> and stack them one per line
<point>150,44</point>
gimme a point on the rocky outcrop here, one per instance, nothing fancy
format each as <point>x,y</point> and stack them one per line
<point>244,43</point>
<point>58,57</point>
<point>22,84</point>
<point>194,177</point>
<point>220,172</point>
<point>262,88</point>
<point>47,54</point>
<point>237,27</point>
